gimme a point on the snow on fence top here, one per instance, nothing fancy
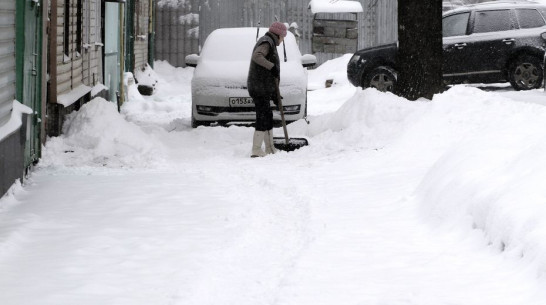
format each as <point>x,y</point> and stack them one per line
<point>335,6</point>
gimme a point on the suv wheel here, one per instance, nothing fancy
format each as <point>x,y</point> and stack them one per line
<point>381,78</point>
<point>525,73</point>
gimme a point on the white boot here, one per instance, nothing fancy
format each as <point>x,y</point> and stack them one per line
<point>257,141</point>
<point>269,145</point>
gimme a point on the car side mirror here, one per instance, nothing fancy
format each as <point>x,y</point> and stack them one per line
<point>308,60</point>
<point>191,60</point>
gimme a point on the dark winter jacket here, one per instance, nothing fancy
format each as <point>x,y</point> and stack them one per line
<point>261,81</point>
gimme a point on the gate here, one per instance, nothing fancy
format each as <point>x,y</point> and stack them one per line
<point>29,41</point>
<point>112,64</point>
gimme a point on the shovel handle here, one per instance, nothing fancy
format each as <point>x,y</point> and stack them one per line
<point>279,101</point>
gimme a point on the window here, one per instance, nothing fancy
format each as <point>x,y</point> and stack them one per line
<point>98,22</point>
<point>529,18</point>
<point>79,25</point>
<point>455,25</point>
<point>66,38</point>
<point>493,21</point>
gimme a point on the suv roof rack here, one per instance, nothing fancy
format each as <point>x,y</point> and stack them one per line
<point>504,2</point>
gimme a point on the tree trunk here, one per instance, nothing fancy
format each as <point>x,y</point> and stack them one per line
<point>420,48</point>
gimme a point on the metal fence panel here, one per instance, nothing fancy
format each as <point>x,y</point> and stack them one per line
<point>180,33</point>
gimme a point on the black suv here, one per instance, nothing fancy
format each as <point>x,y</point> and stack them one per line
<point>483,43</point>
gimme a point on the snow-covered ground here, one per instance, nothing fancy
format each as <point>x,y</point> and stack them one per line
<point>393,203</point>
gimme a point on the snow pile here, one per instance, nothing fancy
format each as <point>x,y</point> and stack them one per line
<point>97,135</point>
<point>334,69</point>
<point>9,199</point>
<point>487,162</point>
<point>146,77</point>
<point>369,119</point>
<point>171,100</point>
<point>490,174</point>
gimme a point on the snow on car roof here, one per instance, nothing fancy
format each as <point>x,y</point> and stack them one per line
<point>229,44</point>
<point>335,6</point>
<point>226,56</point>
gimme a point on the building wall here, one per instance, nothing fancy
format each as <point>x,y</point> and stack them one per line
<point>78,56</point>
<point>7,58</point>
<point>12,157</point>
<point>176,32</point>
<point>80,61</point>
<point>13,146</point>
<point>92,43</point>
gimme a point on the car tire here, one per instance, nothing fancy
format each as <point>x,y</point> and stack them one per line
<point>381,78</point>
<point>195,123</point>
<point>525,73</point>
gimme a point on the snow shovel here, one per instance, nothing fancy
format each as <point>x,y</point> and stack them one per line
<point>286,143</point>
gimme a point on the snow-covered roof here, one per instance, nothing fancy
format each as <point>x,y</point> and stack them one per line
<point>335,6</point>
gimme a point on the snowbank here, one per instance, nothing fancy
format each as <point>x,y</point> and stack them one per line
<point>147,77</point>
<point>489,176</point>
<point>370,119</point>
<point>171,100</point>
<point>486,156</point>
<point>97,135</point>
<point>334,69</point>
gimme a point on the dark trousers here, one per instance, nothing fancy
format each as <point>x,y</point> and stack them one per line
<point>264,115</point>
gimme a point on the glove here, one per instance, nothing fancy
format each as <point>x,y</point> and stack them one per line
<point>276,101</point>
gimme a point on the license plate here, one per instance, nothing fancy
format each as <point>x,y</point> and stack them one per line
<point>241,101</point>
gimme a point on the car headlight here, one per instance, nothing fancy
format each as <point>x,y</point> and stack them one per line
<point>543,35</point>
<point>204,108</point>
<point>291,108</point>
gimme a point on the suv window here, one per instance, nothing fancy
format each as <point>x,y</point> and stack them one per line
<point>455,25</point>
<point>493,21</point>
<point>529,18</point>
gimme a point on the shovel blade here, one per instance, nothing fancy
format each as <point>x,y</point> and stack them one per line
<point>293,143</point>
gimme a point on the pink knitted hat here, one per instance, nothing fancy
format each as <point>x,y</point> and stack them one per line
<point>278,28</point>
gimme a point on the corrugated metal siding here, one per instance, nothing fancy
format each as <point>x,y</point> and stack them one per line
<point>91,35</point>
<point>83,68</point>
<point>377,25</point>
<point>141,32</point>
<point>7,58</point>
<point>177,31</point>
<point>64,69</point>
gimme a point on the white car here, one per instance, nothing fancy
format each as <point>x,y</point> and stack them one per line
<point>219,88</point>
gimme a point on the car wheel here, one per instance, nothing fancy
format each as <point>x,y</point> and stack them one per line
<point>525,73</point>
<point>195,123</point>
<point>381,78</point>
